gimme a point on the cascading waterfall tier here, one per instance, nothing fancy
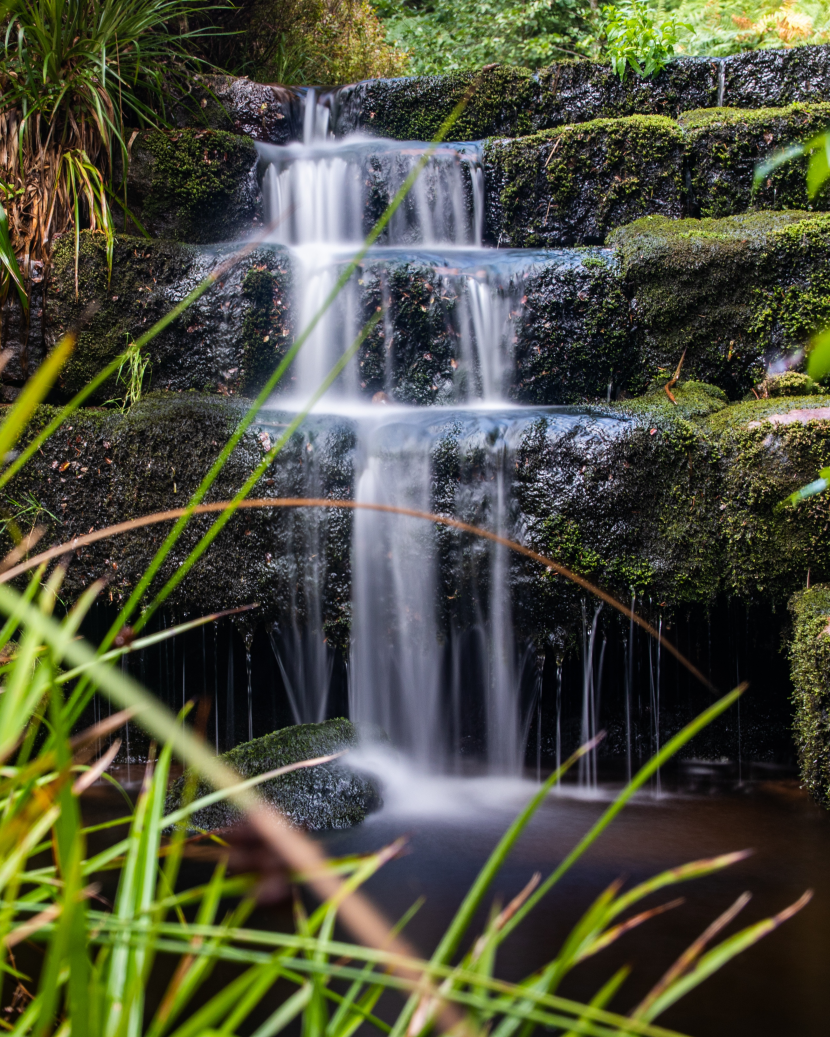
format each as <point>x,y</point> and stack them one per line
<point>436,681</point>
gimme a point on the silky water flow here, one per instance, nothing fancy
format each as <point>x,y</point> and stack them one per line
<point>436,686</point>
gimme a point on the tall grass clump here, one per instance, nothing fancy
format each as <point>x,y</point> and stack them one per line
<point>74,74</point>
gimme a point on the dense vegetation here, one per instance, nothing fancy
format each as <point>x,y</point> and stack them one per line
<point>441,35</point>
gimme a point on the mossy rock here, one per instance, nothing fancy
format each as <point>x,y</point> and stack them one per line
<point>767,449</point>
<point>501,101</point>
<point>325,796</point>
<point>733,294</point>
<point>790,383</point>
<point>103,467</point>
<point>229,341</point>
<point>573,343</point>
<point>679,500</point>
<point>511,102</point>
<point>570,186</point>
<point>810,671</point>
<point>237,105</point>
<point>195,185</point>
<point>724,145</point>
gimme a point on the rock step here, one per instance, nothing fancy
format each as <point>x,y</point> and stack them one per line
<point>734,294</point>
<point>679,501</point>
<point>559,187</point>
<point>511,102</point>
<point>573,185</point>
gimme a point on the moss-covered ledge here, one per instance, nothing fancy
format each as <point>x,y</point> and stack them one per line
<point>104,467</point>
<point>733,293</point>
<point>229,341</point>
<point>810,670</point>
<point>574,184</point>
<point>326,796</point>
<point>508,101</point>
<point>196,185</point>
<point>722,147</point>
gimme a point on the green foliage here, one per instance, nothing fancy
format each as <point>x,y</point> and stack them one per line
<point>718,28</point>
<point>635,39</point>
<point>73,75</point>
<point>447,35</point>
<point>303,41</point>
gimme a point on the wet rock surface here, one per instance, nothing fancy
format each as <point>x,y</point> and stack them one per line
<point>229,340</point>
<point>236,104</point>
<point>679,501</point>
<point>810,669</point>
<point>571,186</point>
<point>326,796</point>
<point>723,146</point>
<point>731,293</point>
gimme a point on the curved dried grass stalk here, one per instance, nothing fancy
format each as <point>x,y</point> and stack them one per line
<point>321,502</point>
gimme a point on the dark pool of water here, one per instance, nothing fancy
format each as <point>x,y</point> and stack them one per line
<point>779,987</point>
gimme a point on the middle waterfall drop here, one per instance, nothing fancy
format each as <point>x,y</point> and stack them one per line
<point>435,663</point>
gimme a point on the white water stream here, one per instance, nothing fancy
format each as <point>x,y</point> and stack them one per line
<point>409,675</point>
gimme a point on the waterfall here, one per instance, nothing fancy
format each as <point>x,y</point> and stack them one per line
<point>435,677</point>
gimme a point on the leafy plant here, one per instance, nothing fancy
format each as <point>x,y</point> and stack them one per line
<point>136,364</point>
<point>73,73</point>
<point>635,39</point>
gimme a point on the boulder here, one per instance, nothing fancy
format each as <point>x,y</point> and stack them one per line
<point>326,796</point>
<point>732,294</point>
<point>572,185</point>
<point>196,185</point>
<point>236,104</point>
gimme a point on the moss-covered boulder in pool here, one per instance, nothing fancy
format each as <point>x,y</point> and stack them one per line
<point>810,670</point>
<point>733,293</point>
<point>724,145</point>
<point>229,341</point>
<point>571,185</point>
<point>328,795</point>
<point>195,185</point>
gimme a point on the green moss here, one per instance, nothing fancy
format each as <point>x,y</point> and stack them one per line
<point>729,292</point>
<point>770,549</point>
<point>810,671</point>
<point>500,100</point>
<point>228,341</point>
<point>320,797</point>
<point>723,147</point>
<point>193,185</point>
<point>623,575</point>
<point>571,185</point>
<point>791,383</point>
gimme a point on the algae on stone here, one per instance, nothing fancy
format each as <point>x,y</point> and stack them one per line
<point>724,145</point>
<point>571,186</point>
<point>328,795</point>
<point>733,293</point>
<point>195,185</point>
<point>810,670</point>
<point>229,341</point>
